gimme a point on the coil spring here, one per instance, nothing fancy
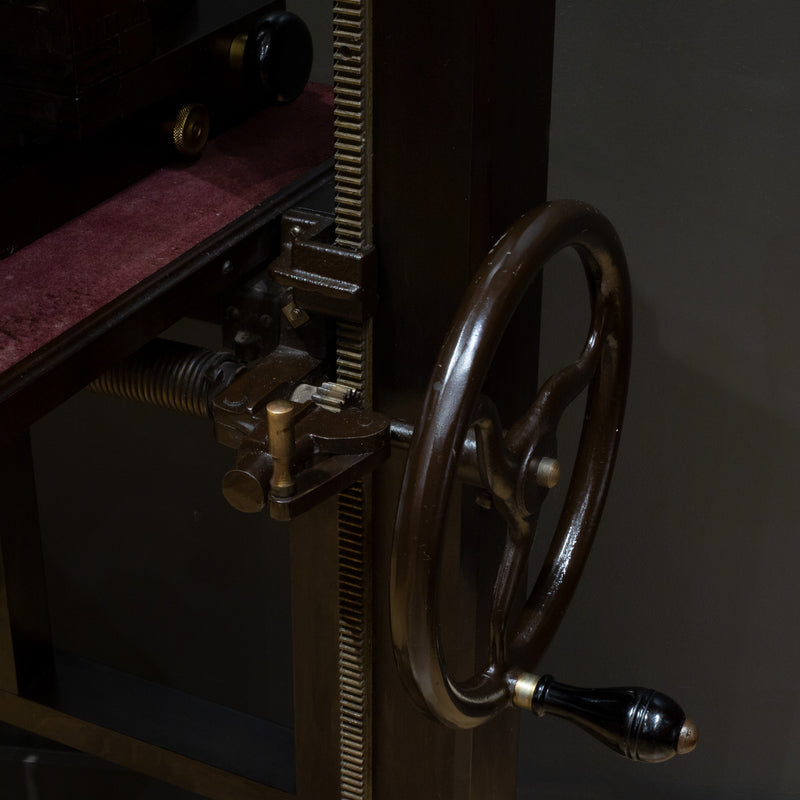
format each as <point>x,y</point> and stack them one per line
<point>170,375</point>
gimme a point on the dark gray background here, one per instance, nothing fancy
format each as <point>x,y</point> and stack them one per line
<point>679,120</point>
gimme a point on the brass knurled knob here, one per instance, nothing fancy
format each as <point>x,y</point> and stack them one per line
<point>190,130</point>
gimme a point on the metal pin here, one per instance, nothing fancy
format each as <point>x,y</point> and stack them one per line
<point>280,426</point>
<point>548,472</point>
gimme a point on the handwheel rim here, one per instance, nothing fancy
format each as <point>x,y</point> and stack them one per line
<point>447,414</point>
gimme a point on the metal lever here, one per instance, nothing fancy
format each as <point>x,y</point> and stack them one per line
<point>280,427</point>
<point>640,724</point>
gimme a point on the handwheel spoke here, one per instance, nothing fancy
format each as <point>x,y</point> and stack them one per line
<point>513,567</point>
<point>559,391</point>
<point>498,472</point>
<point>580,514</point>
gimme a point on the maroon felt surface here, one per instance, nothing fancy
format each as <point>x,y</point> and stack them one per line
<point>62,278</point>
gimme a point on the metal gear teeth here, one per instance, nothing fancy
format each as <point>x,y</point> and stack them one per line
<point>336,396</point>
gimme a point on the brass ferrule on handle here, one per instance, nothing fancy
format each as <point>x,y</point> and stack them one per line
<point>523,690</point>
<point>280,427</point>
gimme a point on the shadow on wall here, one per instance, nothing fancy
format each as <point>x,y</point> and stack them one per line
<point>691,588</point>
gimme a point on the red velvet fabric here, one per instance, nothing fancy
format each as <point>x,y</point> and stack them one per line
<point>65,276</point>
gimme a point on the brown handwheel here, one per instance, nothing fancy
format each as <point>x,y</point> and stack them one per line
<point>517,467</point>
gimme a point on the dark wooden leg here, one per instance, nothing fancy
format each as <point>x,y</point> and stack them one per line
<point>314,636</point>
<point>25,643</point>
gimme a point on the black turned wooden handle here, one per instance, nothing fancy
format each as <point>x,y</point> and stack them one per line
<point>640,724</point>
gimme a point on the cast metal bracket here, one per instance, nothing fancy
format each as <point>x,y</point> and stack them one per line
<point>327,279</point>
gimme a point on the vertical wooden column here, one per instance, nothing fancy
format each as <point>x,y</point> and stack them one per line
<point>461,105</point>
<point>25,644</point>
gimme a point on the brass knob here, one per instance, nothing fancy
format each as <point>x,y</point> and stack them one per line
<point>190,129</point>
